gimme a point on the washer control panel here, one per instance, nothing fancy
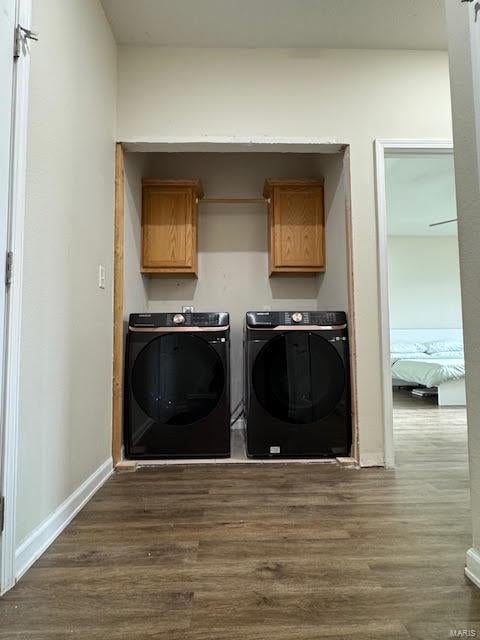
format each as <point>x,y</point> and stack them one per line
<point>291,318</point>
<point>158,320</point>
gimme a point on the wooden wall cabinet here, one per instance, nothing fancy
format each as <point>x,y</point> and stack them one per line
<point>296,226</point>
<point>169,226</point>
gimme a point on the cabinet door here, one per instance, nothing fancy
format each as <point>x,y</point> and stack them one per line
<point>297,228</point>
<point>169,229</point>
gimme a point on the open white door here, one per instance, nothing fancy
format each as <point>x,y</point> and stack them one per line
<point>463,28</point>
<point>14,74</point>
<point>7,28</point>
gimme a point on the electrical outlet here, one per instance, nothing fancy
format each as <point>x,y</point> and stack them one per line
<point>101,276</point>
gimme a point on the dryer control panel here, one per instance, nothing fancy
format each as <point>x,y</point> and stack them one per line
<point>272,319</point>
<point>158,320</point>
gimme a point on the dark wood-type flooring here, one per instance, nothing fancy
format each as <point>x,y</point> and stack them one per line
<point>260,552</point>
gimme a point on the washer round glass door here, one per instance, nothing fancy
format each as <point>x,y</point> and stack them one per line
<point>299,377</point>
<point>178,379</point>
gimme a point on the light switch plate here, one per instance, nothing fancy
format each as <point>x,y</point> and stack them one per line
<point>101,276</point>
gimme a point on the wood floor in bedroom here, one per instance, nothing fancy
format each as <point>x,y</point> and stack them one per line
<point>253,552</point>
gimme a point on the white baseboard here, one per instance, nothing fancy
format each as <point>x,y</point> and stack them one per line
<point>46,532</point>
<point>372,460</point>
<point>472,570</point>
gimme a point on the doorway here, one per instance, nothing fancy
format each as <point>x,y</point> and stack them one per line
<point>421,326</point>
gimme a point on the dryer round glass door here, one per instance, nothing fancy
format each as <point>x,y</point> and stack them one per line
<point>299,377</point>
<point>178,379</point>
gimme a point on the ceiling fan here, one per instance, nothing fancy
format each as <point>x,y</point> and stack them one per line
<point>437,224</point>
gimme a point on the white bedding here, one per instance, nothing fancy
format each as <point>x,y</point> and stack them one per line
<point>430,372</point>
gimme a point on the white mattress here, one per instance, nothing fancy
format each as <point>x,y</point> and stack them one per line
<point>430,372</point>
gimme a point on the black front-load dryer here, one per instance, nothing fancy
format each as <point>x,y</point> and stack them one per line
<point>297,388</point>
<point>177,389</point>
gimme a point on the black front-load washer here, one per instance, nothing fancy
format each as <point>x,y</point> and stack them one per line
<point>177,385</point>
<point>297,388</point>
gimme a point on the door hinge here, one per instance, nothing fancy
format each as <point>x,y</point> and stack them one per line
<point>2,513</point>
<point>9,268</point>
<point>22,34</point>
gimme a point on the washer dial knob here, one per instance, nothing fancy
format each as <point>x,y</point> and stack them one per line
<point>178,318</point>
<point>297,317</point>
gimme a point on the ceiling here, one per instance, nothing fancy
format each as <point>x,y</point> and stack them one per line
<point>420,189</point>
<point>351,24</point>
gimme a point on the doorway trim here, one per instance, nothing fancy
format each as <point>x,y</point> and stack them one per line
<point>219,144</point>
<point>13,316</point>
<point>382,148</point>
<point>118,286</point>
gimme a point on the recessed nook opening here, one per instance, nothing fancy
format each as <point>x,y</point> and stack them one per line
<point>233,270</point>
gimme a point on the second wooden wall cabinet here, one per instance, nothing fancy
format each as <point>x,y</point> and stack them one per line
<point>296,226</point>
<point>169,226</point>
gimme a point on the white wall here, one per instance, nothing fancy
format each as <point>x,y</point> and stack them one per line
<point>233,258</point>
<point>351,96</point>
<point>424,282</point>
<point>135,296</point>
<point>466,123</point>
<point>333,289</point>
<point>66,359</point>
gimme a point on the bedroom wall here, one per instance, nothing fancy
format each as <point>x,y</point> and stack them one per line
<point>342,95</point>
<point>424,282</point>
<point>233,258</point>
<point>66,338</point>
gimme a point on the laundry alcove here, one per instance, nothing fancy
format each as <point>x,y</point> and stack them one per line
<point>233,271</point>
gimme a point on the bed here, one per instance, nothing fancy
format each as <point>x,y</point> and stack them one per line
<point>431,358</point>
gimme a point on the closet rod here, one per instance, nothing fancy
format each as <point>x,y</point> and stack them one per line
<point>233,201</point>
